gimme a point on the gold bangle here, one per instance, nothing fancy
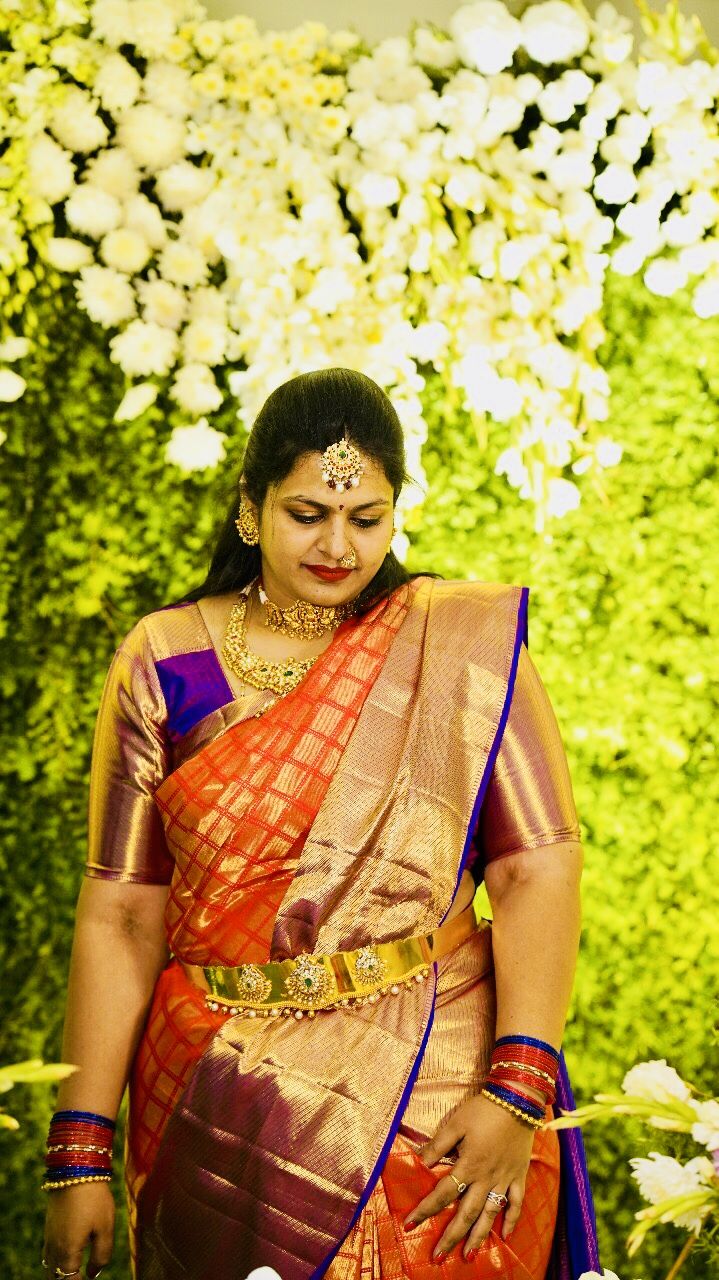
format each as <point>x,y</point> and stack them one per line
<point>77,1146</point>
<point>70,1182</point>
<point>534,1124</point>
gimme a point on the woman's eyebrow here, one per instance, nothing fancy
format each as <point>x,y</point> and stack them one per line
<point>312,502</point>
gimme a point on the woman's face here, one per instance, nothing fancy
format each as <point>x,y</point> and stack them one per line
<point>304,525</point>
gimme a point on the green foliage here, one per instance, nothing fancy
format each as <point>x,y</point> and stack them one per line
<point>624,612</point>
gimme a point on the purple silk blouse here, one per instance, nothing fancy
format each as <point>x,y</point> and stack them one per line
<point>166,695</point>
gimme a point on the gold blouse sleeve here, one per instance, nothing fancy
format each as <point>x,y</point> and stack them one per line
<point>130,758</point>
<point>529,800</point>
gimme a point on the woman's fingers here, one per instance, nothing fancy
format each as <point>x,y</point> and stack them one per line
<point>68,1260</point>
<point>100,1251</point>
<point>485,1221</point>
<point>515,1192</point>
<point>439,1197</point>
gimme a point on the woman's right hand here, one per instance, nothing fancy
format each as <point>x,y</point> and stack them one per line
<point>78,1217</point>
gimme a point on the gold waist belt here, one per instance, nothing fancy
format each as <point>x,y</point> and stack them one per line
<point>309,983</point>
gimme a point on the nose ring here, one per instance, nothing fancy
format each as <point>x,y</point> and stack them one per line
<point>349,560</point>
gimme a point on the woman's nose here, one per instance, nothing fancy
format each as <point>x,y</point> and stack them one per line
<point>334,542</point>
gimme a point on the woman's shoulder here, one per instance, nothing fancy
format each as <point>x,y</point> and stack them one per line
<point>460,590</point>
<point>167,632</point>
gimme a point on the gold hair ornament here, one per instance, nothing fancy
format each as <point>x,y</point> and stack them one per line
<point>342,467</point>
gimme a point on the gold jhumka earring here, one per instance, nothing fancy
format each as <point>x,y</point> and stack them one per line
<point>247,525</point>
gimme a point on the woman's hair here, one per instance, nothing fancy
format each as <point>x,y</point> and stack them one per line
<point>304,414</point>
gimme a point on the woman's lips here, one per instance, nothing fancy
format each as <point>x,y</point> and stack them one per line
<point>328,575</point>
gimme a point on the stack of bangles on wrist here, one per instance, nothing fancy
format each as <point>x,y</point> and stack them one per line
<point>79,1149</point>
<point>522,1060</point>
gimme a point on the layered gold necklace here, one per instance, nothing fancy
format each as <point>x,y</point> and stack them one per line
<point>262,673</point>
<point>303,620</point>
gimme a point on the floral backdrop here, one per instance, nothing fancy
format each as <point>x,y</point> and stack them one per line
<point>512,226</point>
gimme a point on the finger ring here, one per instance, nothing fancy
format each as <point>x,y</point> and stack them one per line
<point>497,1198</point>
<point>62,1275</point>
<point>44,1263</point>
<point>461,1186</point>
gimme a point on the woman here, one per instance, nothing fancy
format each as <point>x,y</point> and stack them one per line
<point>300,774</point>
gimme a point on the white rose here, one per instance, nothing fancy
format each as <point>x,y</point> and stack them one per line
<point>705,300</point>
<point>193,448</point>
<point>195,389</point>
<point>661,1177</point>
<point>182,263</point>
<point>205,340</point>
<point>51,172</point>
<point>153,138</point>
<point>664,276</point>
<point>125,250</point>
<point>486,35</point>
<point>12,385</point>
<point>111,21</point>
<point>92,211</point>
<point>75,122</point>
<point>183,184</point>
<point>616,185</point>
<point>554,32</point>
<point>135,401</point>
<point>162,302</point>
<point>655,1081</point>
<point>117,83</point>
<point>142,215</point>
<point>15,347</point>
<point>114,171</point>
<point>706,1130</point>
<point>67,254</point>
<point>106,295</point>
<point>143,349</point>
<point>562,496</point>
<point>169,87</point>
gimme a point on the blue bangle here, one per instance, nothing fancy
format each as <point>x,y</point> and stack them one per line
<point>84,1115</point>
<point>531,1040</point>
<point>72,1171</point>
<point>529,1108</point>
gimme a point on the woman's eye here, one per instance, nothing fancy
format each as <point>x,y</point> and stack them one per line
<point>367,524</point>
<point>304,519</point>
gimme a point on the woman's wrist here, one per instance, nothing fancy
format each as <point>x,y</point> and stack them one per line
<point>79,1149</point>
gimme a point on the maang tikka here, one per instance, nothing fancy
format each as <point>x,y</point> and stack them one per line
<point>342,467</point>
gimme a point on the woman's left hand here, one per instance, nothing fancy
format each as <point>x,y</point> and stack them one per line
<point>494,1150</point>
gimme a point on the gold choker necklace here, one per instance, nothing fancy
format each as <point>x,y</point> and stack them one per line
<point>261,673</point>
<point>303,620</point>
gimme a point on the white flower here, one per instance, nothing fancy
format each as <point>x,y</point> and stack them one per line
<point>153,138</point>
<point>135,401</point>
<point>616,185</point>
<point>51,172</point>
<point>195,389</point>
<point>142,215</point>
<point>12,385</point>
<point>114,171</point>
<point>208,302</point>
<point>706,1130</point>
<point>554,32</point>
<point>163,303</point>
<point>67,254</point>
<point>661,1177</point>
<point>152,26</point>
<point>182,263</point>
<point>106,295</point>
<point>432,50</point>
<point>599,1275</point>
<point>655,1081</point>
<point>15,347</point>
<point>117,83</point>
<point>664,276</point>
<point>208,38</point>
<point>563,496</point>
<point>608,453</point>
<point>486,35</point>
<point>193,448</point>
<point>169,87</point>
<point>92,211</point>
<point>125,250</point>
<point>144,348</point>
<point>75,122</point>
<point>706,298</point>
<point>183,184</point>
<point>111,21</point>
<point>264,1273</point>
<point>205,340</point>
<point>378,190</point>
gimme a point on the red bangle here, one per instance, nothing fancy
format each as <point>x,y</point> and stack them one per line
<point>507,1075</point>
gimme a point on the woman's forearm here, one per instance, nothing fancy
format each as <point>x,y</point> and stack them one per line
<point>535,937</point>
<point>114,966</point>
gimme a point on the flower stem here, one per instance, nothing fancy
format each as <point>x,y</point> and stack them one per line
<point>679,1262</point>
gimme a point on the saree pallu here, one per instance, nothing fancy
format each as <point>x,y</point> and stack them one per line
<point>333,821</point>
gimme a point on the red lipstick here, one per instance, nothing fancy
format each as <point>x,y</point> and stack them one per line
<point>328,575</point>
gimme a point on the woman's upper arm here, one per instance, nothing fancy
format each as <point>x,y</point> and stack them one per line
<point>529,801</point>
<point>130,758</point>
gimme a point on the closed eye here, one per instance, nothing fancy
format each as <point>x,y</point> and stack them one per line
<point>361,522</point>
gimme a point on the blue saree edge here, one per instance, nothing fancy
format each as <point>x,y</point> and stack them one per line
<point>575,1249</point>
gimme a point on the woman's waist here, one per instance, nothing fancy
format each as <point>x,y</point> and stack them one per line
<point>308,983</point>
